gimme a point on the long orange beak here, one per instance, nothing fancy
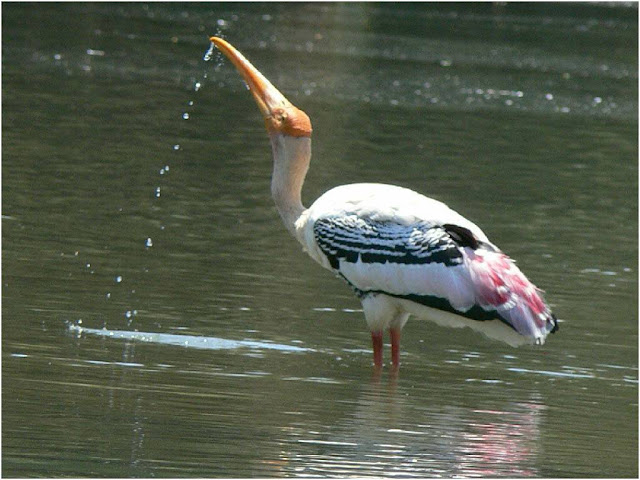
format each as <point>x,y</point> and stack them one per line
<point>280,115</point>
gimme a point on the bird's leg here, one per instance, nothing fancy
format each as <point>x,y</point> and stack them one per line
<point>376,340</point>
<point>381,313</point>
<point>395,345</point>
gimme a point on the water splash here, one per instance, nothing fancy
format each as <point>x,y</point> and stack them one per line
<point>191,341</point>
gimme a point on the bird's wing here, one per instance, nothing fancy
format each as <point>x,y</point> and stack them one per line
<point>353,239</point>
<point>440,266</point>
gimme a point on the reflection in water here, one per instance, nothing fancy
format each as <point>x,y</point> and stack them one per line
<point>388,429</point>
<point>502,443</point>
<point>441,440</point>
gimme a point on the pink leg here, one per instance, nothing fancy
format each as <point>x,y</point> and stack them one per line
<point>395,346</point>
<point>376,339</point>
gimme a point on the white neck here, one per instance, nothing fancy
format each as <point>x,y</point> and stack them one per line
<point>291,157</point>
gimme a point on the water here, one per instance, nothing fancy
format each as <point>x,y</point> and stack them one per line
<point>157,319</point>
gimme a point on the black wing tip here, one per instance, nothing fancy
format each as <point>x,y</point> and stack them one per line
<point>554,321</point>
<point>461,235</point>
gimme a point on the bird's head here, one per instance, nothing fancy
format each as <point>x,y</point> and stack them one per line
<point>281,116</point>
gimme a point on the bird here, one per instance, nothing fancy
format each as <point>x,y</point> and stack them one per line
<point>402,253</point>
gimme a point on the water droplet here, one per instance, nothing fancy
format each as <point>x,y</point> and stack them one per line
<point>148,243</point>
<point>128,314</point>
<point>549,96</point>
<point>208,54</point>
<point>190,103</point>
<point>176,147</point>
<point>157,192</point>
<point>597,100</point>
<point>119,279</point>
<point>108,295</point>
<point>162,171</point>
<point>88,265</point>
<point>198,85</point>
<point>166,168</point>
<point>185,116</point>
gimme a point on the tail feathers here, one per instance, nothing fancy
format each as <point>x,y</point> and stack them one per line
<point>500,285</point>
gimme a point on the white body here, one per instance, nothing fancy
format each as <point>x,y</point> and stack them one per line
<point>404,206</point>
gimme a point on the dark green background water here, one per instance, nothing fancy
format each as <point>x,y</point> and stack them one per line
<point>523,117</point>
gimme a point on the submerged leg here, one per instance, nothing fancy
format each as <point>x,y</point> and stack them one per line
<point>376,340</point>
<point>395,345</point>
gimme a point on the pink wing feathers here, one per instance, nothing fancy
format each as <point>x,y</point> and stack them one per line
<point>500,285</point>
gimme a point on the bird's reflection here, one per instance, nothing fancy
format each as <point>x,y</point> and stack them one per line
<point>391,432</point>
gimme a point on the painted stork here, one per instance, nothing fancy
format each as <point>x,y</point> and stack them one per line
<point>401,252</point>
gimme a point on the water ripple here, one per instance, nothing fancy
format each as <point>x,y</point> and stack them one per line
<point>191,341</point>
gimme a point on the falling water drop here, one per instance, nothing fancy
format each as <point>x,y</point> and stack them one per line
<point>209,53</point>
<point>157,192</point>
<point>185,116</point>
<point>119,279</point>
<point>176,147</point>
<point>148,243</point>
